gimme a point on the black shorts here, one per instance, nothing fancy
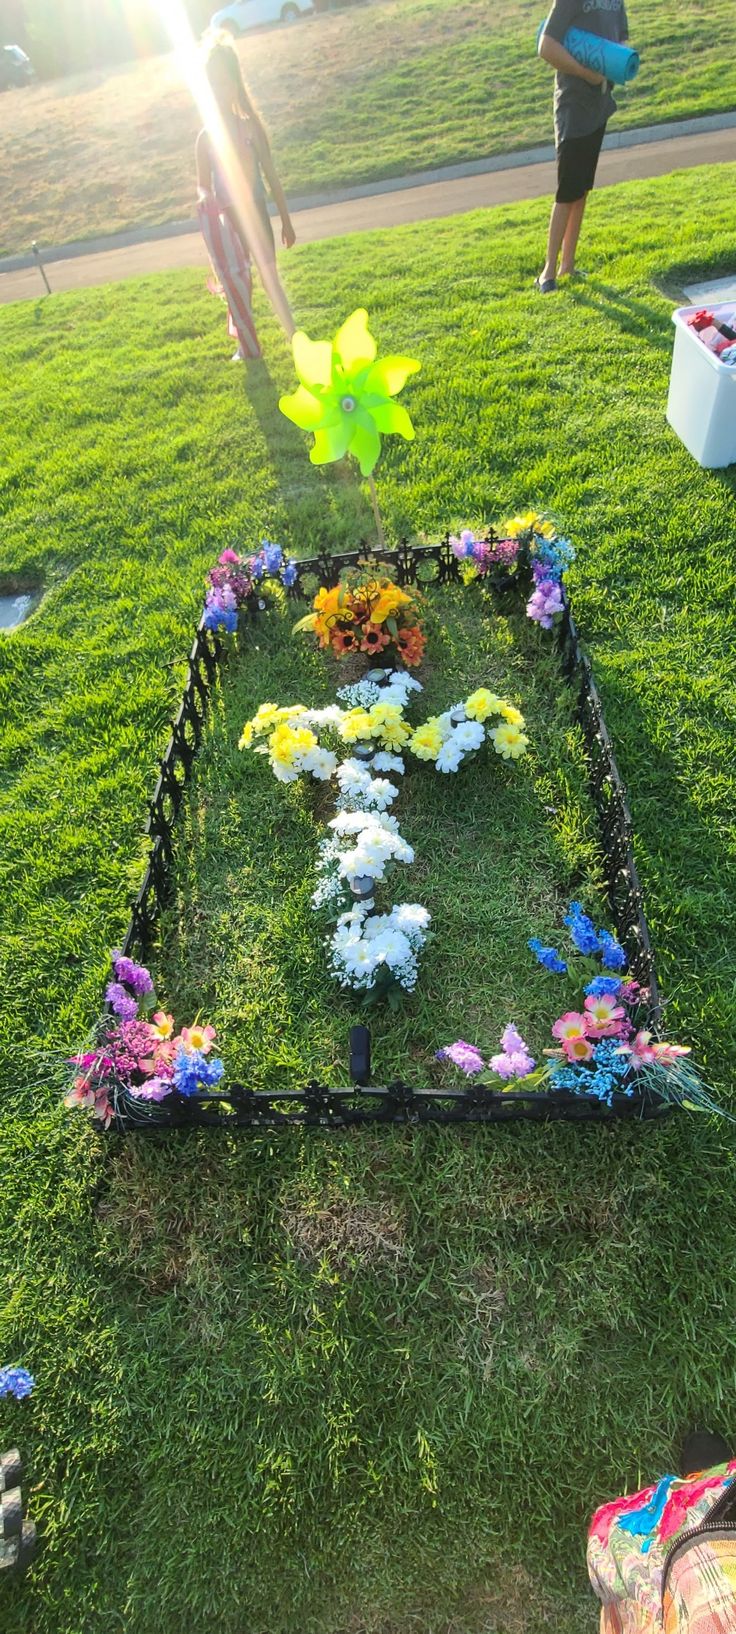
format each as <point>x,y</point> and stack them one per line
<point>577,162</point>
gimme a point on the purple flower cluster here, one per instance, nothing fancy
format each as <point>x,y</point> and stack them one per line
<point>153,1089</point>
<point>505,551</point>
<point>131,983</point>
<point>535,546</point>
<point>221,610</point>
<point>514,1060</point>
<point>466,547</point>
<point>136,977</point>
<point>120,1001</point>
<point>132,1046</point>
<point>546,598</point>
<point>465,1056</point>
<point>16,1381</point>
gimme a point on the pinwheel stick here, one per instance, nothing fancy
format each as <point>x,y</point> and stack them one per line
<point>376,512</point>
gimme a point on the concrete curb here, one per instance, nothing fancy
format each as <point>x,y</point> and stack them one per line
<point>390,184</point>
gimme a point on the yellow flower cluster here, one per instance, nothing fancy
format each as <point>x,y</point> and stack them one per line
<point>508,737</point>
<point>481,704</point>
<point>265,719</point>
<point>364,604</point>
<point>288,742</point>
<point>530,520</point>
<point>427,740</point>
<point>291,744</point>
<point>385,722</point>
<point>508,741</point>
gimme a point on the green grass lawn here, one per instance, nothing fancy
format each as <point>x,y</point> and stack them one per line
<point>370,1384</point>
<point>377,90</point>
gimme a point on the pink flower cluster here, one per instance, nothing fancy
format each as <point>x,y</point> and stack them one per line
<point>230,586</point>
<point>231,573</point>
<point>514,1061</point>
<point>603,1016</point>
<point>139,1054</point>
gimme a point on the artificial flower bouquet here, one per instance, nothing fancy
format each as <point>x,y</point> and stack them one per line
<point>375,725</point>
<point>372,616</point>
<point>600,1050</point>
<point>528,544</point>
<point>139,1051</point>
<point>374,952</point>
<point>238,582</point>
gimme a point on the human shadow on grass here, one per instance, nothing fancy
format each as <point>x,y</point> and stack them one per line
<point>325,504</point>
<point>636,316</point>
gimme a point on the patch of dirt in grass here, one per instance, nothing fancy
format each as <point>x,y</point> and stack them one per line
<point>509,1602</point>
<point>167,1236</point>
<point>346,1231</point>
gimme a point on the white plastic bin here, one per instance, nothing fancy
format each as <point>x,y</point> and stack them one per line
<point>701,406</point>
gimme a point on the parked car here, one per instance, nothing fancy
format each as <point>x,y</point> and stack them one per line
<point>15,67</point>
<point>241,15</point>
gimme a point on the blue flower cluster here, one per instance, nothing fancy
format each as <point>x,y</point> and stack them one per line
<point>271,563</point>
<point>218,617</point>
<point>16,1381</point>
<point>193,1072</point>
<point>602,1078</point>
<point>582,929</point>
<point>555,554</point>
<point>611,952</point>
<point>547,956</point>
<point>590,941</point>
<point>603,987</point>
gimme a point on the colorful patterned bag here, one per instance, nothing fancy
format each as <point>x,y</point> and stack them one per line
<point>663,1561</point>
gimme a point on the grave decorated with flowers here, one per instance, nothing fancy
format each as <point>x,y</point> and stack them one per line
<point>365,856</point>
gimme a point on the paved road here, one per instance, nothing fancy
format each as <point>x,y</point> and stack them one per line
<point>426,203</point>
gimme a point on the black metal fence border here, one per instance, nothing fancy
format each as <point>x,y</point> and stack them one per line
<point>317,1105</point>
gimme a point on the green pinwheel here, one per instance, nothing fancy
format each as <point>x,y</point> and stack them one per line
<point>345,394</point>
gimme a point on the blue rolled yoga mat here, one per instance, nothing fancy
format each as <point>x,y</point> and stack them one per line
<point>616,62</point>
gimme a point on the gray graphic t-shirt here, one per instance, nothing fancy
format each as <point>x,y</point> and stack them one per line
<point>581,108</point>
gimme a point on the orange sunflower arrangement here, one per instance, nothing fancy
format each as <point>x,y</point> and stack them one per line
<point>367,618</point>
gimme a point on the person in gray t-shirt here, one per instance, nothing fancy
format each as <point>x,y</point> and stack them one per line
<point>583,104</point>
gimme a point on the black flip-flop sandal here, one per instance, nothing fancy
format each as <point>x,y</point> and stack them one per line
<point>545,285</point>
